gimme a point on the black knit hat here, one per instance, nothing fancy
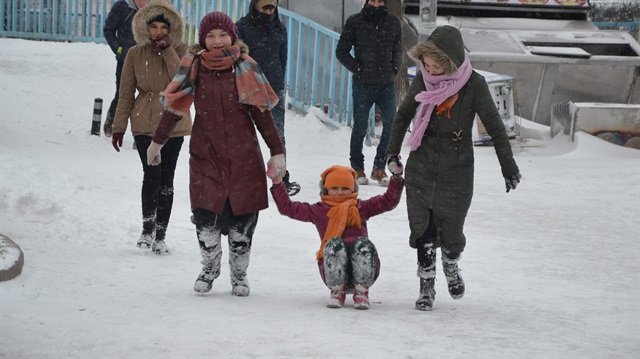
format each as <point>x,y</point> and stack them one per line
<point>159,18</point>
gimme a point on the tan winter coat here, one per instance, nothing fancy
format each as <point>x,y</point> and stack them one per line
<point>149,71</point>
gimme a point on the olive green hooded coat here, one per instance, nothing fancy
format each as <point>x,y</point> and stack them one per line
<point>439,173</point>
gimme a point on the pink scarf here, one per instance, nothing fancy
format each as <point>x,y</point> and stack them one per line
<point>439,89</point>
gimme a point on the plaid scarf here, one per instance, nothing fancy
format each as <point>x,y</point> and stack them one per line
<point>253,87</point>
<point>344,213</point>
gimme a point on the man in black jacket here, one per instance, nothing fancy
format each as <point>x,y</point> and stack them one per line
<point>266,36</point>
<point>117,31</point>
<point>376,38</point>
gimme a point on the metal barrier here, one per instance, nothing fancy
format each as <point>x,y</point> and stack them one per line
<point>632,27</point>
<point>314,77</point>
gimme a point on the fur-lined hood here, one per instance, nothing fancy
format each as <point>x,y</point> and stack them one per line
<point>151,10</point>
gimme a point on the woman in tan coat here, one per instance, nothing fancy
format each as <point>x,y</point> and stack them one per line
<point>148,68</point>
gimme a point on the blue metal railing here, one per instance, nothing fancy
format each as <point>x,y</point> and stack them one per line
<point>314,77</point>
<point>632,27</point>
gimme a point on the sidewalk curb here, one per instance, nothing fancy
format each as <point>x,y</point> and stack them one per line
<point>16,269</point>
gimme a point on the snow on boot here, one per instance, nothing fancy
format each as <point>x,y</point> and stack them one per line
<point>205,280</point>
<point>427,294</point>
<point>338,295</point>
<point>145,240</point>
<point>361,178</point>
<point>380,176</point>
<point>361,297</point>
<point>240,287</point>
<point>455,283</point>
<point>239,255</point>
<point>160,248</point>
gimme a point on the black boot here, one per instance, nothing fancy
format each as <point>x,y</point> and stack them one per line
<point>292,187</point>
<point>452,273</point>
<point>427,294</point>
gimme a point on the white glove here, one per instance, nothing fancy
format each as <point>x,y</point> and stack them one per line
<point>276,167</point>
<point>153,154</point>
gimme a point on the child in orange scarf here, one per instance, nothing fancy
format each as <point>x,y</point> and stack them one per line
<point>347,259</point>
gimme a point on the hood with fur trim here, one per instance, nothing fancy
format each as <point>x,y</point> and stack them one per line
<point>151,10</point>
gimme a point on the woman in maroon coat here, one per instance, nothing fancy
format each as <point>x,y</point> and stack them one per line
<point>227,173</point>
<point>347,259</point>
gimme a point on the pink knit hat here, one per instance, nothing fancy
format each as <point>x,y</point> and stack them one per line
<point>216,20</point>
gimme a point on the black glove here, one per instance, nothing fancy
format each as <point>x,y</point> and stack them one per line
<point>512,181</point>
<point>394,165</point>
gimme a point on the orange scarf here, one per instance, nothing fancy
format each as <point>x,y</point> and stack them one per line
<point>343,213</point>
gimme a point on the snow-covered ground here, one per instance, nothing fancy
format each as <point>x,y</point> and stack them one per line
<point>552,269</point>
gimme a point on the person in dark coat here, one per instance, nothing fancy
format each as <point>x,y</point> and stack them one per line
<point>348,260</point>
<point>227,183</point>
<point>158,30</point>
<point>376,39</point>
<point>117,30</point>
<point>440,167</point>
<point>266,36</point>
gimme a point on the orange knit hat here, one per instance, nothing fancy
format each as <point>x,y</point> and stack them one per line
<point>339,176</point>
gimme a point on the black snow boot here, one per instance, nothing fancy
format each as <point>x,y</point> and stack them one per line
<point>292,187</point>
<point>452,273</point>
<point>427,294</point>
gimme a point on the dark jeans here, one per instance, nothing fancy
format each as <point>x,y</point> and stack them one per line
<point>114,103</point>
<point>363,98</point>
<point>157,184</point>
<point>278,113</point>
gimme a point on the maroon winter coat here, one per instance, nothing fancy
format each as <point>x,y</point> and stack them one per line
<point>226,161</point>
<point>317,213</point>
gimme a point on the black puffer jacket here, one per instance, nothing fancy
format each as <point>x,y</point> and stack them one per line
<point>267,44</point>
<point>117,28</point>
<point>377,44</point>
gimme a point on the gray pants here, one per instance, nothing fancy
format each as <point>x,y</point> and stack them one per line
<point>350,265</point>
<point>210,227</point>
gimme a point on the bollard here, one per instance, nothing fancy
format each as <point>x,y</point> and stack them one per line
<point>97,117</point>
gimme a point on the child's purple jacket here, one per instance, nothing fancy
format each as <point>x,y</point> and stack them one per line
<point>317,213</point>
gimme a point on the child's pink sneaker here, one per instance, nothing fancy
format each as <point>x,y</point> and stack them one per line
<point>361,297</point>
<point>338,294</point>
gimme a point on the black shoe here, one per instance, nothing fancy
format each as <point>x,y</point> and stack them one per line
<point>292,187</point>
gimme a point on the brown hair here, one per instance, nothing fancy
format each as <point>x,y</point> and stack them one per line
<point>428,48</point>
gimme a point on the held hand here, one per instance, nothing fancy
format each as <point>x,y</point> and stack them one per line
<point>394,165</point>
<point>162,44</point>
<point>276,167</point>
<point>276,180</point>
<point>116,140</point>
<point>153,154</point>
<point>512,181</point>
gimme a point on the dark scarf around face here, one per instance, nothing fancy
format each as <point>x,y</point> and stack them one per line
<point>265,21</point>
<point>375,14</point>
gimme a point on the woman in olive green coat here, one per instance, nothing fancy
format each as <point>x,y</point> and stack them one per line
<point>439,171</point>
